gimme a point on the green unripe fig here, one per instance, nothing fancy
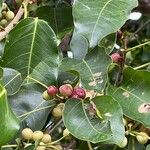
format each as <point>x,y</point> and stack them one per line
<point>4,13</point>
<point>142,138</point>
<point>57,112</point>
<point>9,15</point>
<point>46,138</point>
<point>41,148</point>
<point>66,132</point>
<point>37,135</point>
<point>61,105</point>
<point>58,147</point>
<point>45,96</point>
<point>27,133</point>
<point>3,22</point>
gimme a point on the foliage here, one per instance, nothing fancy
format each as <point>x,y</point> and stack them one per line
<point>70,43</point>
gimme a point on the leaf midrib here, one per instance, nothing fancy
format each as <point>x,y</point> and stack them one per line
<point>129,93</point>
<point>89,69</point>
<point>32,46</point>
<point>89,121</point>
<point>99,16</point>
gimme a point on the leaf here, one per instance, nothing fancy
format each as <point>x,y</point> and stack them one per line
<point>31,42</point>
<point>133,95</point>
<point>82,125</point>
<point>66,77</point>
<point>134,144</point>
<point>148,147</point>
<point>92,70</point>
<point>1,48</point>
<point>27,100</point>
<point>108,42</point>
<point>1,3</point>
<point>79,47</point>
<point>59,18</point>
<point>46,71</point>
<point>9,123</point>
<point>95,20</point>
<point>12,80</point>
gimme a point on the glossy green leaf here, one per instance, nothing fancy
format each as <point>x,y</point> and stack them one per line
<point>1,2</point>
<point>79,121</point>
<point>46,71</point>
<point>92,70</point>
<point>108,42</point>
<point>59,18</point>
<point>94,19</point>
<point>12,80</point>
<point>66,77</point>
<point>148,147</point>
<point>31,42</point>
<point>29,105</point>
<point>79,47</point>
<point>133,95</point>
<point>134,144</point>
<point>9,123</point>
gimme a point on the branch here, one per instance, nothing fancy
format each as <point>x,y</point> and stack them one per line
<point>142,66</point>
<point>89,145</point>
<point>10,26</point>
<point>138,46</point>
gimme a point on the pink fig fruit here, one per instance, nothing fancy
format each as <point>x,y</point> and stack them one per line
<point>116,58</point>
<point>66,90</point>
<point>52,90</point>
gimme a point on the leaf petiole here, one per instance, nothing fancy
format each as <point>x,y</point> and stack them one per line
<point>142,66</point>
<point>25,10</point>
<point>138,46</point>
<point>7,146</point>
<point>89,145</point>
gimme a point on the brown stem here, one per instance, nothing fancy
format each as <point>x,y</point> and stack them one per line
<point>140,28</point>
<point>122,63</point>
<point>10,26</point>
